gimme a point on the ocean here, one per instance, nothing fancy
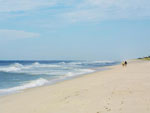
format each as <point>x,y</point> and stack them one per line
<point>15,76</point>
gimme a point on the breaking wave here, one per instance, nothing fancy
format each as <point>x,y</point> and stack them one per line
<point>38,68</point>
<point>31,84</point>
<point>15,76</point>
<point>79,72</point>
<point>17,67</point>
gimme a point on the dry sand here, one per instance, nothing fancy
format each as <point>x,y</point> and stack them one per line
<point>118,90</point>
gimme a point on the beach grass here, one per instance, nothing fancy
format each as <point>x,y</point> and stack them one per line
<point>145,58</point>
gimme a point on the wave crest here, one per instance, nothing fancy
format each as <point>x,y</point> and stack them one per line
<point>31,84</point>
<point>18,68</point>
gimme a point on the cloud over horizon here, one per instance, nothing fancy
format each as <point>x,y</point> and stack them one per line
<point>16,34</point>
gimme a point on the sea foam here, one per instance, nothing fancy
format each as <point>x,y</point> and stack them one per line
<point>20,75</point>
<point>31,84</point>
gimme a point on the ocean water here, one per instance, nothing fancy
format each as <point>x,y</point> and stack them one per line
<point>18,75</point>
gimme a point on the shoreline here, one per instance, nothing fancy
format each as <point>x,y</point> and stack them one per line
<point>61,81</point>
<point>55,81</point>
<point>115,90</point>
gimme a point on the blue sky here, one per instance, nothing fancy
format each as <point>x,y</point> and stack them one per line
<point>74,29</point>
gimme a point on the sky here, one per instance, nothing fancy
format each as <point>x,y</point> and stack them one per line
<point>74,29</point>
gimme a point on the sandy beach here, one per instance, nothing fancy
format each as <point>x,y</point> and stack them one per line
<point>117,90</point>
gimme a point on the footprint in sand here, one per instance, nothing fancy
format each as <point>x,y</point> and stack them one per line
<point>122,102</point>
<point>108,103</point>
<point>106,108</point>
<point>113,93</point>
<point>120,109</point>
<point>77,94</point>
<point>67,97</point>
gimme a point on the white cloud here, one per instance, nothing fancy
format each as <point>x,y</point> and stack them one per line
<point>15,34</point>
<point>77,10</point>
<point>23,5</point>
<point>96,10</point>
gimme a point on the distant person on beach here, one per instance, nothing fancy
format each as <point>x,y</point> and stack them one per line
<point>124,63</point>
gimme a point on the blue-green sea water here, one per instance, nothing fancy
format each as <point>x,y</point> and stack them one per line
<point>18,75</point>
